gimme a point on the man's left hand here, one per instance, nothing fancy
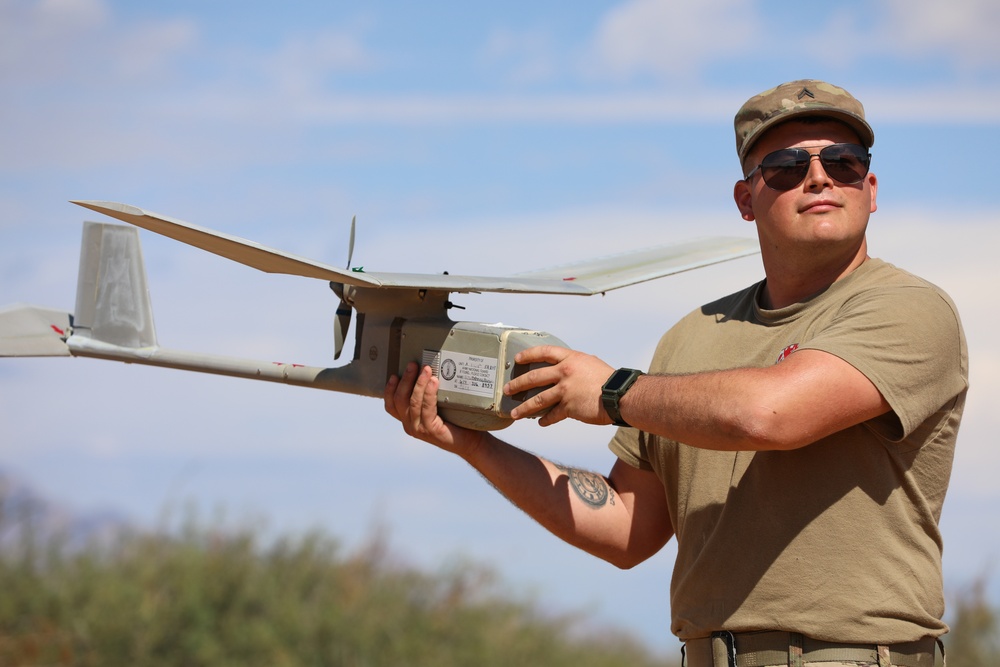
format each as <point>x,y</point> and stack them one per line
<point>576,377</point>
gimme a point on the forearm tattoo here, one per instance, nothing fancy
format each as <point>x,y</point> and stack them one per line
<point>591,488</point>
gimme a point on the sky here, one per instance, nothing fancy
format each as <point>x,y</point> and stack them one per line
<point>482,139</point>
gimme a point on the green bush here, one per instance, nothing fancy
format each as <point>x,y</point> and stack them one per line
<point>211,598</point>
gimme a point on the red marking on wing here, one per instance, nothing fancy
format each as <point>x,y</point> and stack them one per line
<point>58,330</point>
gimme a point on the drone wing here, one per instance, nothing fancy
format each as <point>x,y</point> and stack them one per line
<point>607,273</point>
<point>581,278</point>
<point>32,331</point>
<point>235,248</point>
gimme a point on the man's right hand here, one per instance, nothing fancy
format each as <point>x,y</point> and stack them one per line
<point>412,399</point>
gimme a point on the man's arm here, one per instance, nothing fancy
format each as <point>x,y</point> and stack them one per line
<point>621,518</point>
<point>808,396</point>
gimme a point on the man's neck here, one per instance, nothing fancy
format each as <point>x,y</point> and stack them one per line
<point>789,283</point>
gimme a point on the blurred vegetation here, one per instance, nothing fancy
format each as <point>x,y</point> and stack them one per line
<point>974,640</point>
<point>209,597</point>
<point>201,597</point>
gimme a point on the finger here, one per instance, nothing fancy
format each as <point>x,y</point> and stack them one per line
<point>428,406</point>
<point>553,416</point>
<point>389,395</point>
<point>539,377</point>
<point>407,380</point>
<point>404,387</point>
<point>415,401</point>
<point>552,354</point>
<point>540,401</point>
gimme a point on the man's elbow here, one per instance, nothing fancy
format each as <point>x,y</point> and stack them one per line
<point>764,428</point>
<point>625,560</point>
<point>627,556</point>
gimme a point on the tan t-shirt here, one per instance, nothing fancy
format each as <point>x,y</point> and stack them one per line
<point>838,540</point>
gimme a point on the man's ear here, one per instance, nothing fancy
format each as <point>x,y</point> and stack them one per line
<point>873,183</point>
<point>744,200</point>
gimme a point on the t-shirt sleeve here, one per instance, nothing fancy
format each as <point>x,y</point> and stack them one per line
<point>629,445</point>
<point>906,339</point>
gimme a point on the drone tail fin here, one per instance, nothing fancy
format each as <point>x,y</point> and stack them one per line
<point>112,297</point>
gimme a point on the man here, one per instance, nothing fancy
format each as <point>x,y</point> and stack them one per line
<point>796,437</point>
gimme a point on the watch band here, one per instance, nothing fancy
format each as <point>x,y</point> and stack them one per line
<point>613,390</point>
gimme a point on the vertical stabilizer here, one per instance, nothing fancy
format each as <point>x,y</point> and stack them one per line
<point>112,299</point>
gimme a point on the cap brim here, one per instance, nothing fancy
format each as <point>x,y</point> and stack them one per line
<point>864,131</point>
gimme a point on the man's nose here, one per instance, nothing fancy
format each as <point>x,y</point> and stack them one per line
<point>817,176</point>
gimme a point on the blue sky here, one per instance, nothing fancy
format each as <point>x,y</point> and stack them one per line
<point>465,138</point>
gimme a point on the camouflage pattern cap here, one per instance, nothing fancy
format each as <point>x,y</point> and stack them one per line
<point>805,97</point>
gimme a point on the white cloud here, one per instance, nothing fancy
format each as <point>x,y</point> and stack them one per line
<point>87,85</point>
<point>527,56</point>
<point>64,16</point>
<point>961,30</point>
<point>152,49</point>
<point>952,103</point>
<point>671,39</point>
<point>693,104</point>
<point>307,62</point>
<point>71,42</point>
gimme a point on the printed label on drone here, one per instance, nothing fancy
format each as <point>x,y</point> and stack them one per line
<point>467,373</point>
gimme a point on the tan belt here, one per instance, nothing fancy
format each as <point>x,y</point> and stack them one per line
<point>762,649</point>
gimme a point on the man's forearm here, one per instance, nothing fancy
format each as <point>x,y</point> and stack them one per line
<point>706,410</point>
<point>808,396</point>
<point>580,507</point>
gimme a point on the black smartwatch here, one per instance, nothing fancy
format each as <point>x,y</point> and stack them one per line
<point>613,390</point>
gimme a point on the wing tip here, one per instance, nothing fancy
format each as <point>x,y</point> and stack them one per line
<point>105,206</point>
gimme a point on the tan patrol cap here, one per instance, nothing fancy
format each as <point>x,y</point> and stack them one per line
<point>805,97</point>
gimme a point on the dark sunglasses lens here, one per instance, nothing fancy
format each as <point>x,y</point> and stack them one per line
<point>784,169</point>
<point>847,163</point>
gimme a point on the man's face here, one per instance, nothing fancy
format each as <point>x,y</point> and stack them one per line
<point>819,213</point>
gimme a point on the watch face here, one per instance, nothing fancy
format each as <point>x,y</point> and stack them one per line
<point>617,379</point>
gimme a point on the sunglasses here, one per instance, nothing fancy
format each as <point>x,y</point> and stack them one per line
<point>785,169</point>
